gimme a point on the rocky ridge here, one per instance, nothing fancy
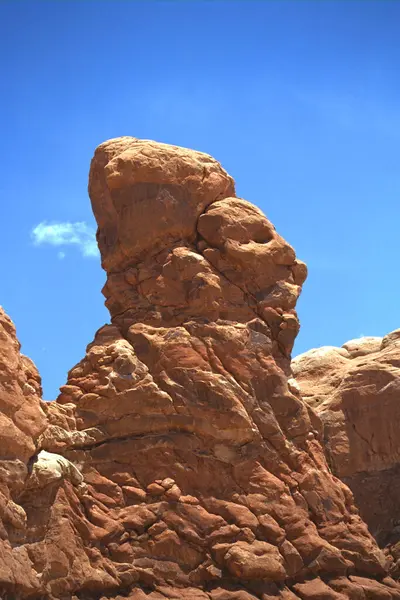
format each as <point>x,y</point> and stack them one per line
<point>179,460</point>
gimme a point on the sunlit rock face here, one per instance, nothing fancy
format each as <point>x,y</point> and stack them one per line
<point>21,418</point>
<point>356,392</point>
<point>179,460</point>
<point>178,246</point>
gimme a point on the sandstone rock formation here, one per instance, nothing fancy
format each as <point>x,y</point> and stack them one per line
<point>179,460</point>
<point>356,391</point>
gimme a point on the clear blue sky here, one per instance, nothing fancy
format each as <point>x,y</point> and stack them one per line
<point>299,100</point>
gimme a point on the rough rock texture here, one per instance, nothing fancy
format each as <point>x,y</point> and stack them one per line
<point>179,460</point>
<point>21,418</point>
<point>356,392</point>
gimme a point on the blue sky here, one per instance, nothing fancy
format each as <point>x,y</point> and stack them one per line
<point>299,100</point>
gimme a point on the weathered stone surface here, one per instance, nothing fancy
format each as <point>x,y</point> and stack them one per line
<point>146,196</point>
<point>177,245</point>
<point>179,461</point>
<point>356,390</point>
<point>21,417</point>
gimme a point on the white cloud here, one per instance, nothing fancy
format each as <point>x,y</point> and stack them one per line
<point>65,234</point>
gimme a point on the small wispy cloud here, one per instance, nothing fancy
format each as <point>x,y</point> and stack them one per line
<point>78,234</point>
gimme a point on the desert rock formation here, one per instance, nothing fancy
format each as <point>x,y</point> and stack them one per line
<point>355,390</point>
<point>179,460</point>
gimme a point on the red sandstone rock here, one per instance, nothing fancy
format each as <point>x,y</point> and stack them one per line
<point>355,390</point>
<point>21,418</point>
<point>179,461</point>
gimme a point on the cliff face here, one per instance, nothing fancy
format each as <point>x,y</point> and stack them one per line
<point>180,460</point>
<point>356,390</point>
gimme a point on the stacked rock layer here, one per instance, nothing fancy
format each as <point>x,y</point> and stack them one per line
<point>180,460</point>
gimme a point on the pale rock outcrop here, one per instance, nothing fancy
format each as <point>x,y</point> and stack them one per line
<point>50,467</point>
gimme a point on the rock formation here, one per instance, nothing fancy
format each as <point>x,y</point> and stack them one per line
<point>355,390</point>
<point>179,460</point>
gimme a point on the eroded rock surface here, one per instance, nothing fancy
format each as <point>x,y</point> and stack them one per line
<point>356,392</point>
<point>179,460</point>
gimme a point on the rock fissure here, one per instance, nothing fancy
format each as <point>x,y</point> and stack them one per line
<point>144,436</point>
<point>245,292</point>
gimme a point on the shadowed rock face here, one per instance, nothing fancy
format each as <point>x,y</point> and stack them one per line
<point>356,391</point>
<point>179,460</point>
